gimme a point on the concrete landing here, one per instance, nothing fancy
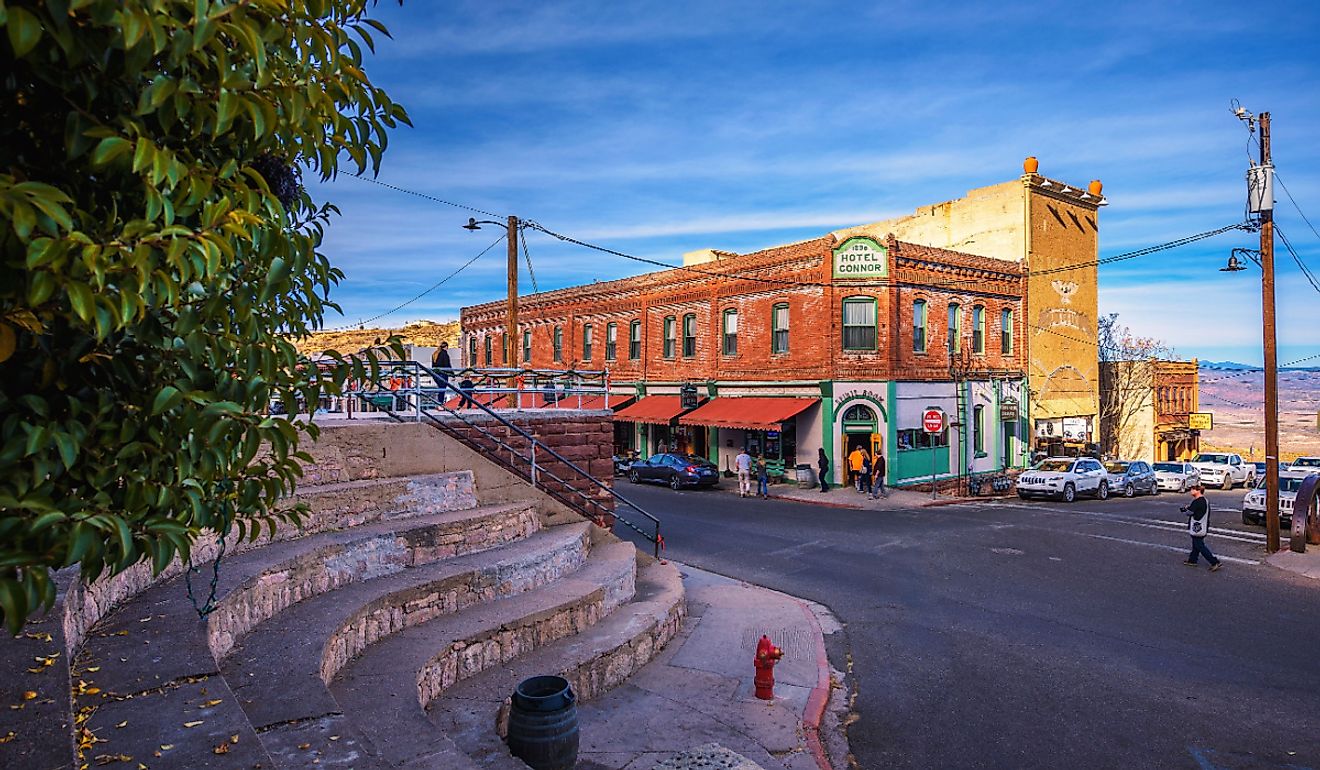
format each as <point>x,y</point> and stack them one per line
<point>693,706</point>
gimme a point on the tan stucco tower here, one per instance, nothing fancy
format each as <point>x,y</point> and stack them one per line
<point>1052,227</point>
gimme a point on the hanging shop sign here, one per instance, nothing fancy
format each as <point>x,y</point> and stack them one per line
<point>1008,410</point>
<point>861,258</point>
<point>687,396</point>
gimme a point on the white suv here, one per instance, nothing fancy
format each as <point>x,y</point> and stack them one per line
<point>1065,478</point>
<point>1253,503</point>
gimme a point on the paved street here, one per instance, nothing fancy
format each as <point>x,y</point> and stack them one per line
<point>1036,634</point>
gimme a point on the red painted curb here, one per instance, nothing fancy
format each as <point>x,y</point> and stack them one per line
<point>820,695</point>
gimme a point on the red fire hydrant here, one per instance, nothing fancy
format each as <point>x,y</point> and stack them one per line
<point>767,655</point>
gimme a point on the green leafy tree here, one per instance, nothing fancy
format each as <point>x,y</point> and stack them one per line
<point>157,255</point>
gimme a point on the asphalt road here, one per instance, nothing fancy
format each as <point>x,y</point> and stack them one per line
<point>1036,634</point>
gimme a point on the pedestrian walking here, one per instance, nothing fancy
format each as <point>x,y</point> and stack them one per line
<point>441,364</point>
<point>864,478</point>
<point>466,387</point>
<point>1198,526</point>
<point>878,477</point>
<point>823,467</point>
<point>743,464</point>
<point>855,460</point>
<point>762,478</point>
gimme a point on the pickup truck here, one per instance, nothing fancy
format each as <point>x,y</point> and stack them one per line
<point>1224,469</point>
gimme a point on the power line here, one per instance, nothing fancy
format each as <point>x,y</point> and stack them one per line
<point>437,285</point>
<point>1294,203</point>
<point>1297,258</point>
<point>433,198</point>
<point>522,241</point>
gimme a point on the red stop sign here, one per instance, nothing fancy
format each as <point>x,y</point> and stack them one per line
<point>932,420</point>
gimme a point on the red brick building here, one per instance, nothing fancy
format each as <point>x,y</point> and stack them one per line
<point>821,344</point>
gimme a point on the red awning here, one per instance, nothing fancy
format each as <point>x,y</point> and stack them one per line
<point>535,400</point>
<point>750,413</point>
<point>658,410</point>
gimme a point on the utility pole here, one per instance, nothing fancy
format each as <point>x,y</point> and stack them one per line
<point>510,341</point>
<point>1271,352</point>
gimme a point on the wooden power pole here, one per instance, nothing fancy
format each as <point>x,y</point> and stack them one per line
<point>511,336</point>
<point>1271,352</point>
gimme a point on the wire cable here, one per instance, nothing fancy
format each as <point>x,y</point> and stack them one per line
<point>1294,203</point>
<point>1297,258</point>
<point>433,198</point>
<point>522,241</point>
<point>438,284</point>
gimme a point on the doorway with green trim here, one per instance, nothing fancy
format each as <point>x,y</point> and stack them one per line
<point>860,428</point>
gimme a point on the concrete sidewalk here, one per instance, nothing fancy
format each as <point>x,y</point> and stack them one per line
<point>1304,564</point>
<point>848,497</point>
<point>693,706</point>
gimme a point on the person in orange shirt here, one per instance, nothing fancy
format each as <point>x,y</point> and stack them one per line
<point>855,462</point>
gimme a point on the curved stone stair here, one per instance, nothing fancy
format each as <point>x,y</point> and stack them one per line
<point>329,643</point>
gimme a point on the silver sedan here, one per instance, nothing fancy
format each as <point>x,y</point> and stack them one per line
<point>1176,476</point>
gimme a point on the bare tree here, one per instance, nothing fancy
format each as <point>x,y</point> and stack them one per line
<point>1128,372</point>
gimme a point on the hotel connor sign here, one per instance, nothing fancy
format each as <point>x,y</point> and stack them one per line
<point>861,258</point>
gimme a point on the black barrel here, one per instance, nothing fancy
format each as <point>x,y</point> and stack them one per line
<point>543,726</point>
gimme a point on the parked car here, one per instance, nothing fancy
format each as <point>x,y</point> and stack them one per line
<point>1224,469</point>
<point>675,470</point>
<point>1064,478</point>
<point>1176,476</point>
<point>1253,503</point>
<point>1132,477</point>
<point>1260,468</point>
<point>1305,462</point>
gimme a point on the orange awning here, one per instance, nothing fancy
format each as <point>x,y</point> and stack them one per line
<point>750,413</point>
<point>658,410</point>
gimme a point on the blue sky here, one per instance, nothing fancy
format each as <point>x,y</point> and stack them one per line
<point>656,128</point>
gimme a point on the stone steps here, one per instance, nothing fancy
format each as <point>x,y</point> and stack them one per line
<point>383,693</point>
<point>280,671</point>
<point>473,713</point>
<point>144,658</point>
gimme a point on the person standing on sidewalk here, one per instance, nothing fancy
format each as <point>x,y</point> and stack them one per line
<point>823,467</point>
<point>864,476</point>
<point>878,477</point>
<point>1198,526</point>
<point>743,464</point>
<point>441,364</point>
<point>855,460</point>
<point>762,478</point>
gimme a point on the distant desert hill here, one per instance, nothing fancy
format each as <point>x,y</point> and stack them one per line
<point>1237,400</point>
<point>419,333</point>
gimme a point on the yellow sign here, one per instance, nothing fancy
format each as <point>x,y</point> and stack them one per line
<point>1201,421</point>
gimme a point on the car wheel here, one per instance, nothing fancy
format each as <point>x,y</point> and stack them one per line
<point>1102,491</point>
<point>1155,488</point>
<point>1069,492</point>
<point>1182,485</point>
<point>1129,490</point>
<point>634,478</point>
<point>675,483</point>
<point>1246,519</point>
<point>1023,495</point>
<point>1228,481</point>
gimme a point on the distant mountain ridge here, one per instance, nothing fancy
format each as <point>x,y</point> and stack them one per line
<point>1240,367</point>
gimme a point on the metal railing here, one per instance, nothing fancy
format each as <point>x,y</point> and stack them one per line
<point>409,389</point>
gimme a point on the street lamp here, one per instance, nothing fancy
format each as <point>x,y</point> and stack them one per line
<point>511,327</point>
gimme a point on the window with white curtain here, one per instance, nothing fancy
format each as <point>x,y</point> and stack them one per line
<point>859,314</point>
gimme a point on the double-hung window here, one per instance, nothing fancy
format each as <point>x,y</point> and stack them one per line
<point>978,330</point>
<point>689,335</point>
<point>919,326</point>
<point>635,340</point>
<point>488,343</point>
<point>472,351</point>
<point>779,328</point>
<point>527,346</point>
<point>611,341</point>
<point>955,329</point>
<point>730,332</point>
<point>978,429</point>
<point>859,316</point>
<point>559,344</point>
<point>1006,332</point>
<point>586,342</point>
<point>670,332</point>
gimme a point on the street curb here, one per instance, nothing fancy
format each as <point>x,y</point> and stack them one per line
<point>820,695</point>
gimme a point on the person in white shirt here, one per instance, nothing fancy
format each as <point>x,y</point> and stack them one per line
<point>743,464</point>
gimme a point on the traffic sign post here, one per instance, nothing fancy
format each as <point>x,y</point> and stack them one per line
<point>932,420</point>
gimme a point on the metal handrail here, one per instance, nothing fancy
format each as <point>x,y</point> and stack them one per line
<point>439,394</point>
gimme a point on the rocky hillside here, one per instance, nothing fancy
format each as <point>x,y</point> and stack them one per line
<point>421,333</point>
<point>1237,400</point>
